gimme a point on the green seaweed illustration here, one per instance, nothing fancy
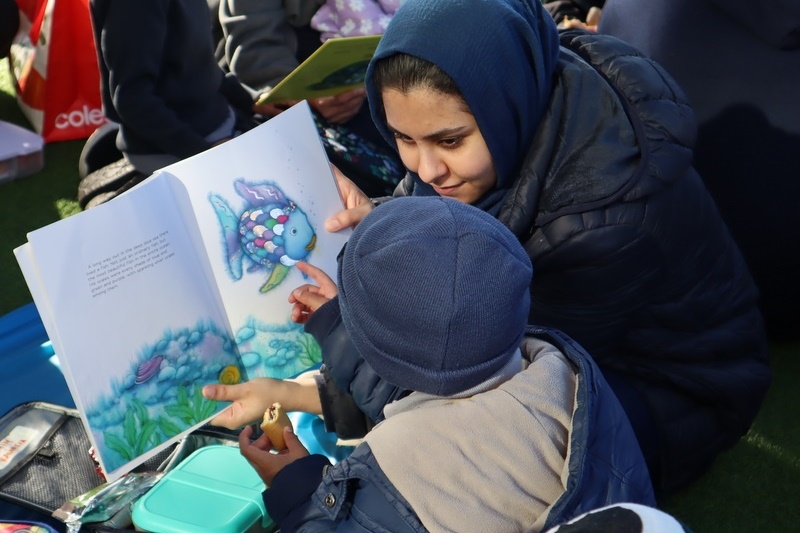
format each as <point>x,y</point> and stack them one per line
<point>312,353</point>
<point>138,430</point>
<point>168,427</point>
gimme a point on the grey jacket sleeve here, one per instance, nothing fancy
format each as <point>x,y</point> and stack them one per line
<point>259,41</point>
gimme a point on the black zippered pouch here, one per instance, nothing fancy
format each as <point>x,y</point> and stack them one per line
<point>45,458</point>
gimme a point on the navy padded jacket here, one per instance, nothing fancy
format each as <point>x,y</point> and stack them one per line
<point>631,258</point>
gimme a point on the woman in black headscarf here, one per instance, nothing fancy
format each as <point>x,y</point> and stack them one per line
<point>591,149</point>
<point>583,148</point>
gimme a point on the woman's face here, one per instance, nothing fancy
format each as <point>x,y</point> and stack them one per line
<point>439,140</point>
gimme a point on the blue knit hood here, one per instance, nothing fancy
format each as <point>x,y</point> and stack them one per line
<point>501,55</point>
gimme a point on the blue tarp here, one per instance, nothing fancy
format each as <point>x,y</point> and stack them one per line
<point>29,369</point>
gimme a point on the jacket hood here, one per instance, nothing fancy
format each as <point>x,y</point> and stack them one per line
<point>777,22</point>
<point>501,54</point>
<point>630,139</point>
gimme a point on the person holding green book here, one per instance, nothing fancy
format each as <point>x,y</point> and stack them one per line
<point>262,41</point>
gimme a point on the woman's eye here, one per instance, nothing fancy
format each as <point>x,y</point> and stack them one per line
<point>402,138</point>
<point>451,142</point>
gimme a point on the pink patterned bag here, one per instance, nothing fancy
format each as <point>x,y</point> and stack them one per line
<point>347,18</point>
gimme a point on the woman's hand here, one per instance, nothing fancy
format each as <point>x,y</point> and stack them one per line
<point>266,463</point>
<point>357,204</point>
<point>252,398</point>
<point>308,298</point>
<point>342,107</point>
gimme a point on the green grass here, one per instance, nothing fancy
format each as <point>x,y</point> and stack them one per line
<point>31,202</point>
<point>756,485</point>
<point>753,487</point>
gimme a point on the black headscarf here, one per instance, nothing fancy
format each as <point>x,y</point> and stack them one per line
<point>501,54</point>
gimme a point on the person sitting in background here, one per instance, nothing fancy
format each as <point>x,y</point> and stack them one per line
<point>503,428</point>
<point>345,19</point>
<point>263,41</point>
<point>739,64</point>
<point>562,10</point>
<point>9,25</point>
<point>160,81</point>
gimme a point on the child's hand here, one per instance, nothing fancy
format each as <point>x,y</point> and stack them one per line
<point>308,298</point>
<point>250,400</point>
<point>266,463</point>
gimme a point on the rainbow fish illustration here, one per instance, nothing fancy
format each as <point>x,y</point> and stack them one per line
<point>272,232</point>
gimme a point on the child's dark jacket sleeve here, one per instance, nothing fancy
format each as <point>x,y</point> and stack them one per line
<point>293,486</point>
<point>351,393</point>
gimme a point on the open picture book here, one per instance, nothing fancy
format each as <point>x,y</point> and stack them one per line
<point>184,281</point>
<point>336,66</point>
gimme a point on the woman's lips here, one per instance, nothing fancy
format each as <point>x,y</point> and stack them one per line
<point>447,191</point>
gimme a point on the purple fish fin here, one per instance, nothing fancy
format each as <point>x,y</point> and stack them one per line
<point>260,194</point>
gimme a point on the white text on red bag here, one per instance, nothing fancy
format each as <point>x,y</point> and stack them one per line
<point>54,65</point>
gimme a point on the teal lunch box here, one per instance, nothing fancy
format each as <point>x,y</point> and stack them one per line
<point>213,490</point>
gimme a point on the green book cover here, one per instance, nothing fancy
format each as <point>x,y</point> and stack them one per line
<point>336,66</point>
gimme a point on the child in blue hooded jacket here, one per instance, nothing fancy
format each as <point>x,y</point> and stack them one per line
<point>501,428</point>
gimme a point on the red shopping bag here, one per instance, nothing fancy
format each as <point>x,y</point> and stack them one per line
<point>29,10</point>
<point>54,69</point>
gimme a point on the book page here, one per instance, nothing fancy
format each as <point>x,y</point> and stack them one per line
<point>336,66</point>
<point>261,201</point>
<point>135,323</point>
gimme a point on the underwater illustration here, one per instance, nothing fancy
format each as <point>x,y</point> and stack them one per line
<point>160,395</point>
<point>271,232</point>
<point>276,351</point>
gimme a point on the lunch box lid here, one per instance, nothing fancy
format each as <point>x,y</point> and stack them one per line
<point>213,490</point>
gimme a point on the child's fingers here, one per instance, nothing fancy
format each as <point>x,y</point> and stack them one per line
<point>301,288</point>
<point>300,313</point>
<point>309,299</point>
<point>326,284</point>
<point>293,445</point>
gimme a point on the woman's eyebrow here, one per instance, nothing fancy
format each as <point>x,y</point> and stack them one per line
<point>439,134</point>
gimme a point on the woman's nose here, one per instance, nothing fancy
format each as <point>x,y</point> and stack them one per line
<point>431,167</point>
